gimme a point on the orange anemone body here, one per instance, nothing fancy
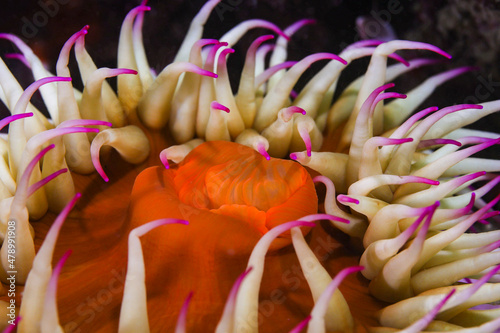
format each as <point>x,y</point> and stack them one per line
<point>231,196</point>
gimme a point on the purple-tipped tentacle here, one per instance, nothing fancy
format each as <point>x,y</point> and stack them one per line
<point>222,60</point>
<point>164,159</point>
<point>303,130</point>
<point>386,96</point>
<point>264,76</point>
<point>290,111</point>
<point>435,142</point>
<point>57,270</point>
<point>252,49</point>
<point>83,122</point>
<point>217,106</point>
<point>300,326</point>
<point>421,180</point>
<point>347,199</point>
<point>254,23</point>
<point>210,60</point>
<point>10,328</point>
<point>145,228</point>
<point>423,322</point>
<point>408,124</point>
<point>22,187</point>
<point>364,43</point>
<point>20,57</point>
<point>227,315</point>
<point>199,44</point>
<point>315,217</point>
<point>405,44</point>
<point>33,188</point>
<point>181,320</point>
<point>319,310</point>
<point>294,27</point>
<point>261,148</point>
<point>64,54</point>
<point>7,120</point>
<point>399,58</point>
<point>464,295</point>
<point>23,101</point>
<point>55,132</point>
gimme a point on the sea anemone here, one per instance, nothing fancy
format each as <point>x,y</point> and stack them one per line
<point>188,207</point>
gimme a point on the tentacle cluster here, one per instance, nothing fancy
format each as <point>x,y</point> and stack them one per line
<point>403,185</point>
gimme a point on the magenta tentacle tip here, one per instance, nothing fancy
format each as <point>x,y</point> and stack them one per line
<point>262,150</point>
<point>226,51</point>
<point>346,199</point>
<point>7,120</point>
<point>10,328</point>
<point>164,160</point>
<point>300,326</point>
<point>293,156</point>
<point>264,38</point>
<point>320,179</point>
<point>217,106</point>
<point>127,71</point>
<point>400,59</point>
<point>386,86</point>
<point>208,73</point>
<point>290,111</point>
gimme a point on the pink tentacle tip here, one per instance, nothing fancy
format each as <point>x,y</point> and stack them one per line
<point>387,86</point>
<point>333,57</point>
<point>424,180</point>
<point>293,156</point>
<point>264,38</point>
<point>262,150</point>
<point>304,134</point>
<point>296,109</point>
<point>400,141</point>
<point>290,111</point>
<point>207,73</point>
<point>320,179</point>
<point>127,71</point>
<point>10,328</point>
<point>226,51</point>
<point>353,269</point>
<point>7,120</point>
<point>400,59</point>
<point>83,31</point>
<point>20,57</point>
<point>300,326</point>
<point>181,320</point>
<point>345,199</point>
<point>164,160</point>
<point>217,106</point>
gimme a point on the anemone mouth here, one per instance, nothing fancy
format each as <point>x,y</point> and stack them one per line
<point>230,193</point>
